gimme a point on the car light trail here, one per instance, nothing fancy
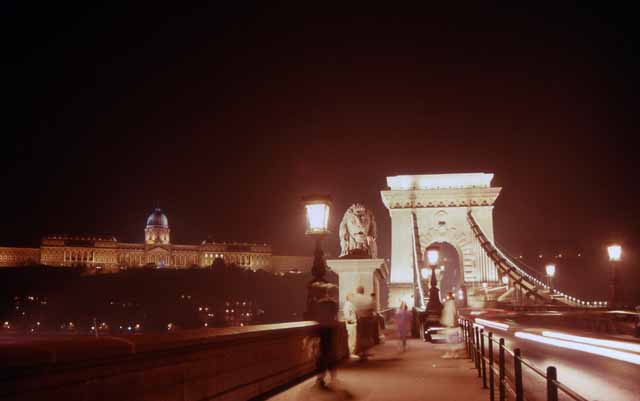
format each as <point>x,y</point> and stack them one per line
<point>493,325</point>
<point>594,341</point>
<point>591,349</point>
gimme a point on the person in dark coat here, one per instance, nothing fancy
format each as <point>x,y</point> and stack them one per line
<point>327,316</point>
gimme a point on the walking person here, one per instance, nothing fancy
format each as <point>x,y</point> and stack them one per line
<point>349,315</point>
<point>327,315</point>
<point>364,308</point>
<point>403,323</point>
<point>449,319</point>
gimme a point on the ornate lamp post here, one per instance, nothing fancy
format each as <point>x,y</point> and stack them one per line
<point>551,271</point>
<point>317,209</point>
<point>615,254</point>
<point>433,255</point>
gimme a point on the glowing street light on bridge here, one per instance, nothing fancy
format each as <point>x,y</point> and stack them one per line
<point>615,252</point>
<point>551,271</point>
<point>317,208</point>
<point>615,255</point>
<point>433,255</point>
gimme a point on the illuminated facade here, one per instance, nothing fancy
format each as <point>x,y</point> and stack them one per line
<point>107,253</point>
<point>428,209</point>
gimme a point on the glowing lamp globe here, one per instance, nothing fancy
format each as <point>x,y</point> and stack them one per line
<point>505,280</point>
<point>317,208</point>
<point>425,273</point>
<point>551,270</point>
<point>433,254</point>
<point>615,252</point>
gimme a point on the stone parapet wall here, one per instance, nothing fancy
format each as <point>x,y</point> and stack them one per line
<point>215,364</point>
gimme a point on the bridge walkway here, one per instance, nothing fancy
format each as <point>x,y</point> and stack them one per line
<point>419,373</point>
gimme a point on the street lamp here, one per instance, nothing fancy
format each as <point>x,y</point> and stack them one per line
<point>615,254</point>
<point>433,255</point>
<point>317,209</point>
<point>551,271</point>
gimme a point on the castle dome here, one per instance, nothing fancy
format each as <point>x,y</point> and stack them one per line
<point>157,219</point>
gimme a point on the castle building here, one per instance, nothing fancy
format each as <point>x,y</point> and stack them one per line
<point>108,254</point>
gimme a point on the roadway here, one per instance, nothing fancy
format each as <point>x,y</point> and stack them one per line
<point>595,377</point>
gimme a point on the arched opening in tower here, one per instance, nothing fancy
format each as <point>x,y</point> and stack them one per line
<point>449,270</point>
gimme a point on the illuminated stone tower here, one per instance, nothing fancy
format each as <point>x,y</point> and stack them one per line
<point>427,209</point>
<point>157,229</point>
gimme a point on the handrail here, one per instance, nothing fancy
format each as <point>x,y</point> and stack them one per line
<point>475,339</point>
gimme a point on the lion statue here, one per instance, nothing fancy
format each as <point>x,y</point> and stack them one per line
<point>358,233</point>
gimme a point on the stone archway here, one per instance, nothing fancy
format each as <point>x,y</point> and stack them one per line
<point>449,271</point>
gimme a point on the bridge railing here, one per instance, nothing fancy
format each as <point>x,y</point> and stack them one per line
<point>227,363</point>
<point>490,358</point>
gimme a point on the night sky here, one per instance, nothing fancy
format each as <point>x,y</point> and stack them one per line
<point>227,116</point>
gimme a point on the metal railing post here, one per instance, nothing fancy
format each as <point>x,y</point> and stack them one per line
<point>517,371</point>
<point>502,371</point>
<point>465,335</point>
<point>491,375</point>
<point>482,360</point>
<point>461,325</point>
<point>472,343</point>
<point>477,349</point>
<point>552,388</point>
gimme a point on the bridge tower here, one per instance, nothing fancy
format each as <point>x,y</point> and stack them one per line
<point>434,208</point>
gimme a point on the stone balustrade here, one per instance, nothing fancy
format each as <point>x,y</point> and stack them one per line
<point>213,364</point>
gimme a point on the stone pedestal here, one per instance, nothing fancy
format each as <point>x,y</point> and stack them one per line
<point>372,274</point>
